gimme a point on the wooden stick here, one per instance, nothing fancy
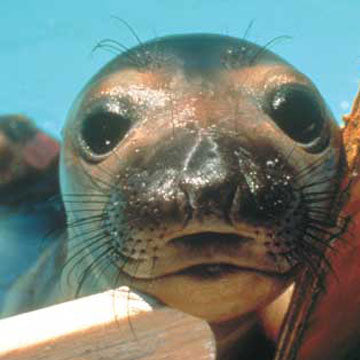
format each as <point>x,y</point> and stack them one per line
<point>116,324</point>
<point>303,300</point>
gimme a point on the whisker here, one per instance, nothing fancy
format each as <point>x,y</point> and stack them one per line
<point>129,27</point>
<point>308,261</point>
<point>320,255</point>
<point>322,181</point>
<point>83,237</point>
<point>111,42</point>
<point>317,193</point>
<point>267,46</point>
<point>248,29</point>
<point>101,257</point>
<point>86,223</point>
<point>85,195</point>
<point>85,218</point>
<point>79,261</point>
<point>131,326</point>
<point>85,202</point>
<point>106,47</point>
<point>311,168</point>
<point>319,239</point>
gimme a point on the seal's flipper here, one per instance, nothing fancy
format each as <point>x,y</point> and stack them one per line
<point>32,217</point>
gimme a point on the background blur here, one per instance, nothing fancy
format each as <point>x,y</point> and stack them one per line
<point>46,45</point>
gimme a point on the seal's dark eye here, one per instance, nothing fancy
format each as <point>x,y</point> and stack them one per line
<point>102,131</point>
<point>296,111</point>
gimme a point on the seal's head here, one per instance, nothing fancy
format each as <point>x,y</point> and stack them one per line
<point>202,171</point>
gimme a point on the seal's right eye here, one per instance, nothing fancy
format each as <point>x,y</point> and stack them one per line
<point>296,110</point>
<point>102,131</point>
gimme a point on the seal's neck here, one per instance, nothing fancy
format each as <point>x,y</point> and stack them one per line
<point>241,338</point>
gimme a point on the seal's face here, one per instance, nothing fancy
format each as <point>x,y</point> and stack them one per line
<point>203,171</point>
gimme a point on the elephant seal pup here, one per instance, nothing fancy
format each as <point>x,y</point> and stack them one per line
<point>202,170</point>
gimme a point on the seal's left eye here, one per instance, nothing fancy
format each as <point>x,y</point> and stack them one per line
<point>297,111</point>
<point>102,131</point>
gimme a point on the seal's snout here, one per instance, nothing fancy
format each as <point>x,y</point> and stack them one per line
<point>192,182</point>
<point>205,179</point>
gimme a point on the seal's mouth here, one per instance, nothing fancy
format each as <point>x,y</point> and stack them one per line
<point>209,238</point>
<point>211,255</point>
<point>210,271</point>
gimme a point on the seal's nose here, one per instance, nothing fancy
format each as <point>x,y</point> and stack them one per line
<point>219,180</point>
<point>209,179</point>
<point>197,176</point>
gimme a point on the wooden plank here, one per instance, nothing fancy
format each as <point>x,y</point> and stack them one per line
<point>113,325</point>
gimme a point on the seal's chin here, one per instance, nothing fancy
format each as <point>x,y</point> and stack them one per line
<point>216,292</point>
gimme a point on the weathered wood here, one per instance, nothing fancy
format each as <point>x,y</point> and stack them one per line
<point>351,134</point>
<point>112,325</point>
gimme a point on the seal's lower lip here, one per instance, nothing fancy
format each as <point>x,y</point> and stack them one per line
<point>209,271</point>
<point>216,271</point>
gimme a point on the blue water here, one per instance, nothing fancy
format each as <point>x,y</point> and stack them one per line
<point>46,57</point>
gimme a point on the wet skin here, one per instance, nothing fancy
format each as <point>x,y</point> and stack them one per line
<point>201,170</point>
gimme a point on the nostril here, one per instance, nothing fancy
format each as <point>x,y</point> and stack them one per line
<point>210,198</point>
<point>219,193</point>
